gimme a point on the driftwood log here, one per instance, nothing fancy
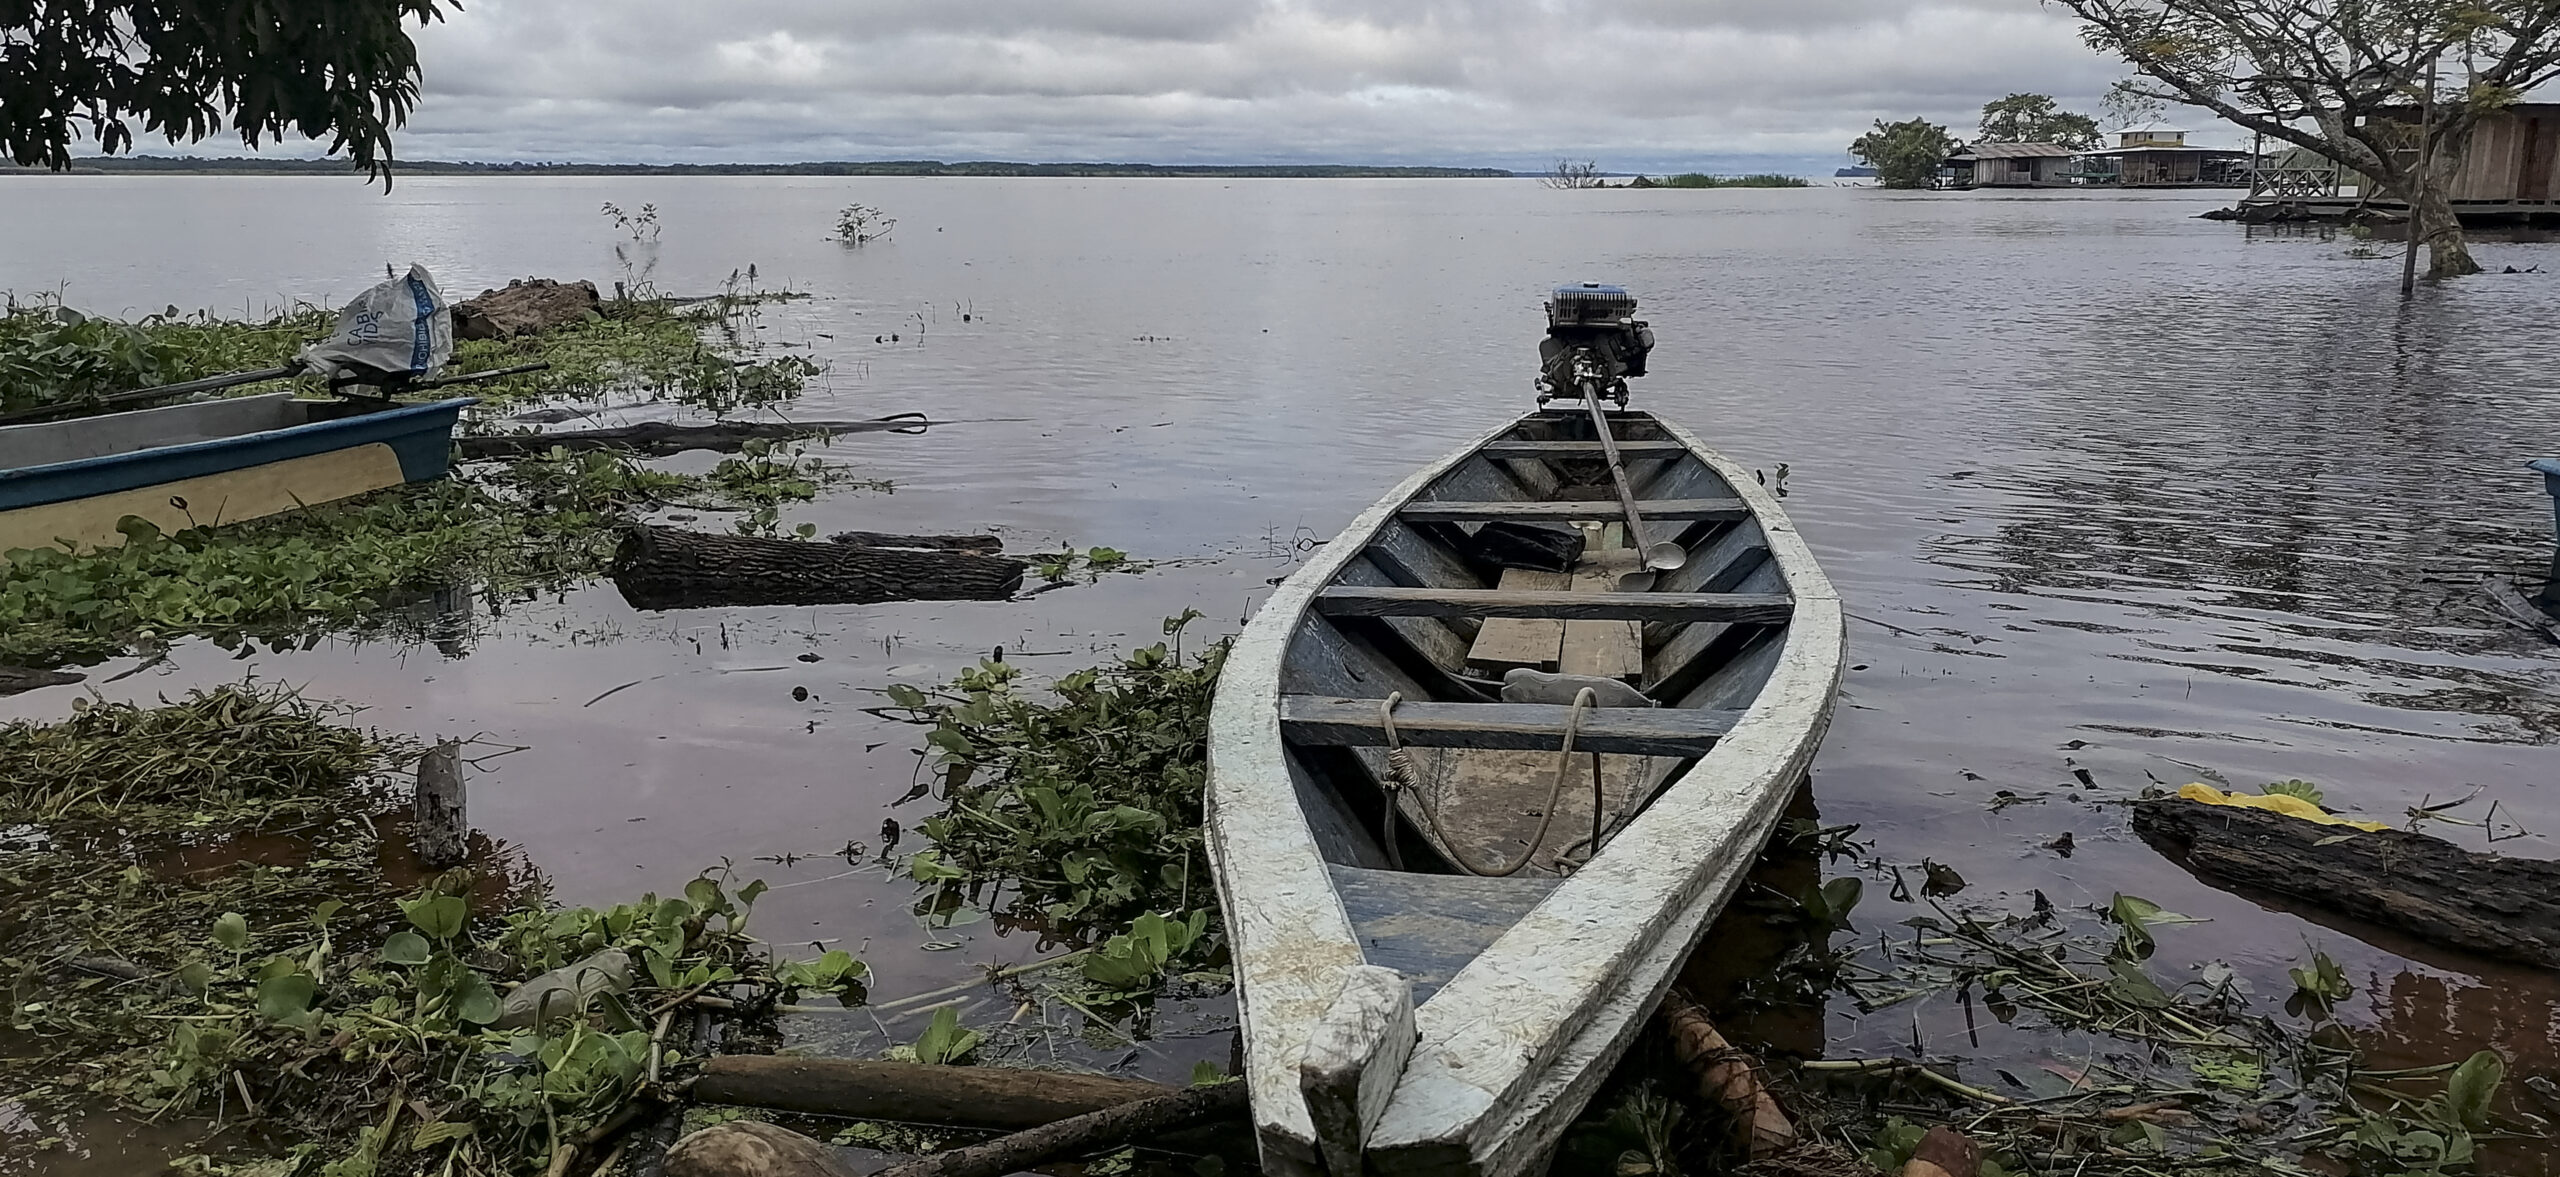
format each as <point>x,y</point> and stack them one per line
<point>2503,908</point>
<point>1110,1128</point>
<point>1727,1077</point>
<point>441,825</point>
<point>660,438</point>
<point>668,568</point>
<point>999,1099</point>
<point>14,679</point>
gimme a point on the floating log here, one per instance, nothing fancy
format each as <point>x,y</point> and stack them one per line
<point>14,679</point>
<point>441,831</point>
<point>1727,1077</point>
<point>660,438</point>
<point>2504,908</point>
<point>1002,1099</point>
<point>668,568</point>
<point>1109,1128</point>
<point>745,1148</point>
<point>987,545</point>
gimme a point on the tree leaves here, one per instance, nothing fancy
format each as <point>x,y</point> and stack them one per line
<point>1905,154</point>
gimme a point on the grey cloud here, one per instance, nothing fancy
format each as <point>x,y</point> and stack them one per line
<point>1647,84</point>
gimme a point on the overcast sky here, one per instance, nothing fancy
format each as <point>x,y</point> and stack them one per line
<point>1634,84</point>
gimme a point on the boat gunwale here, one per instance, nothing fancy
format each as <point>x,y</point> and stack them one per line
<point>359,424</point>
<point>1287,933</point>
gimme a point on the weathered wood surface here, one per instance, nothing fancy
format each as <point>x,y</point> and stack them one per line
<point>1092,1132</point>
<point>1504,642</point>
<point>1661,731</point>
<point>660,438</point>
<point>1553,604</point>
<point>2498,907</point>
<point>746,1148</point>
<point>1603,649</point>
<point>1582,449</point>
<point>668,568</point>
<point>440,826</point>
<point>1427,927</point>
<point>1003,1099</point>
<point>985,545</point>
<point>1451,511</point>
<point>1354,1054</point>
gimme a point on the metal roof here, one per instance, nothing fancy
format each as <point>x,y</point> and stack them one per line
<point>2016,151</point>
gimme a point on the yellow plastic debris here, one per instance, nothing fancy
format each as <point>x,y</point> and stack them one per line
<point>2273,803</point>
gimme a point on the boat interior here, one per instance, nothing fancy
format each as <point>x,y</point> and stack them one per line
<point>1488,814</point>
<point>133,430</point>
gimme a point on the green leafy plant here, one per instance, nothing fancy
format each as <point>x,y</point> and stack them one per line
<point>1829,904</point>
<point>2136,917</point>
<point>944,1041</point>
<point>2302,789</point>
<point>861,224</point>
<point>2321,984</point>
<point>1136,959</point>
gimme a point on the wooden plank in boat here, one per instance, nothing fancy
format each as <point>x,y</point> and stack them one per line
<point>1583,449</point>
<point>1602,649</point>
<point>1506,642</point>
<point>1559,606</point>
<point>1654,731</point>
<point>1465,511</point>
<point>1429,926</point>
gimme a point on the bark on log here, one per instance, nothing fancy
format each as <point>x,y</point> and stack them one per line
<point>745,1148</point>
<point>986,545</point>
<point>1093,1132</point>
<point>2504,908</point>
<point>441,829</point>
<point>667,568</point>
<point>661,438</point>
<point>1001,1099</point>
<point>1727,1077</point>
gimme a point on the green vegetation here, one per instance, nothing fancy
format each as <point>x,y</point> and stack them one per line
<point>882,167</point>
<point>51,354</point>
<point>1905,154</point>
<point>1754,180</point>
<point>193,922</point>
<point>1082,810</point>
<point>2036,118</point>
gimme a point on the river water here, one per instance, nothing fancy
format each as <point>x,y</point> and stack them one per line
<point>2105,487</point>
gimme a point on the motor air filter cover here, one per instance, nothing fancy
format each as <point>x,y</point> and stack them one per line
<point>1589,304</point>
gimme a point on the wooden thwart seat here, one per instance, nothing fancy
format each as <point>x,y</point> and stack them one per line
<point>1462,511</point>
<point>1366,601</point>
<point>1316,720</point>
<point>1582,449</point>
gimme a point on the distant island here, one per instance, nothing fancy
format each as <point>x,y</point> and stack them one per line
<point>194,165</point>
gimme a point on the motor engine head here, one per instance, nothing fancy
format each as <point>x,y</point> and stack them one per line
<point>1594,342</point>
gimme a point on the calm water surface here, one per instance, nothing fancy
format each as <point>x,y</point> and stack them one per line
<point>2106,488</point>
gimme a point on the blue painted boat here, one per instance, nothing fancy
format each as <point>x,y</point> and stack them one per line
<point>2550,468</point>
<point>69,483</point>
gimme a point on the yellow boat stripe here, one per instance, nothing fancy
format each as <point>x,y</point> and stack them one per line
<point>227,497</point>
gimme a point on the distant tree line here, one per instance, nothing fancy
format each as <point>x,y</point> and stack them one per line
<point>894,167</point>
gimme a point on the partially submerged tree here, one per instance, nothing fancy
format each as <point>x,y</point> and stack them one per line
<point>1574,173</point>
<point>2037,118</point>
<point>343,71</point>
<point>2344,79</point>
<point>1905,154</point>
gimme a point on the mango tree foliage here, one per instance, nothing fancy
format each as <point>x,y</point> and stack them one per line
<point>1905,154</point>
<point>340,71</point>
<point>2343,79</point>
<point>2037,118</point>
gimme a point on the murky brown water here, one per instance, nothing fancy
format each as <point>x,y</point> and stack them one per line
<point>2107,487</point>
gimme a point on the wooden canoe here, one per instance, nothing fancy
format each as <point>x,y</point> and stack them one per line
<point>71,483</point>
<point>1407,1015</point>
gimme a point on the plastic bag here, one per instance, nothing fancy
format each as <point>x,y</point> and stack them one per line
<point>2273,803</point>
<point>401,329</point>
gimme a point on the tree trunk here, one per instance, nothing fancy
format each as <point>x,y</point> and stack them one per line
<point>440,829</point>
<point>668,568</point>
<point>2434,221</point>
<point>2504,908</point>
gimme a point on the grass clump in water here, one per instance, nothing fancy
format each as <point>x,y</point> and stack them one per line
<point>1085,804</point>
<point>208,933</point>
<point>1754,180</point>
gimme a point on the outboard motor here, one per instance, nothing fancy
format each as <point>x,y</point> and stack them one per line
<point>1593,338</point>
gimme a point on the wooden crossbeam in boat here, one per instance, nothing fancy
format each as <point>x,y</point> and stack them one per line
<point>1450,511</point>
<point>1534,642</point>
<point>1581,449</point>
<point>1635,731</point>
<point>1344,600</point>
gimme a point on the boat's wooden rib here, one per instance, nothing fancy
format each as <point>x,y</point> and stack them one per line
<point>1466,511</point>
<point>1528,988</point>
<point>1361,723</point>
<point>1553,605</point>
<point>1650,450</point>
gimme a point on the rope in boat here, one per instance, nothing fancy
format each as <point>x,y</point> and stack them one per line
<point>1400,778</point>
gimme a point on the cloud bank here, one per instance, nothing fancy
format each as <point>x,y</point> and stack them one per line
<point>1636,84</point>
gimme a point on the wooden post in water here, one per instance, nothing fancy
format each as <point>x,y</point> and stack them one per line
<point>441,831</point>
<point>2418,191</point>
